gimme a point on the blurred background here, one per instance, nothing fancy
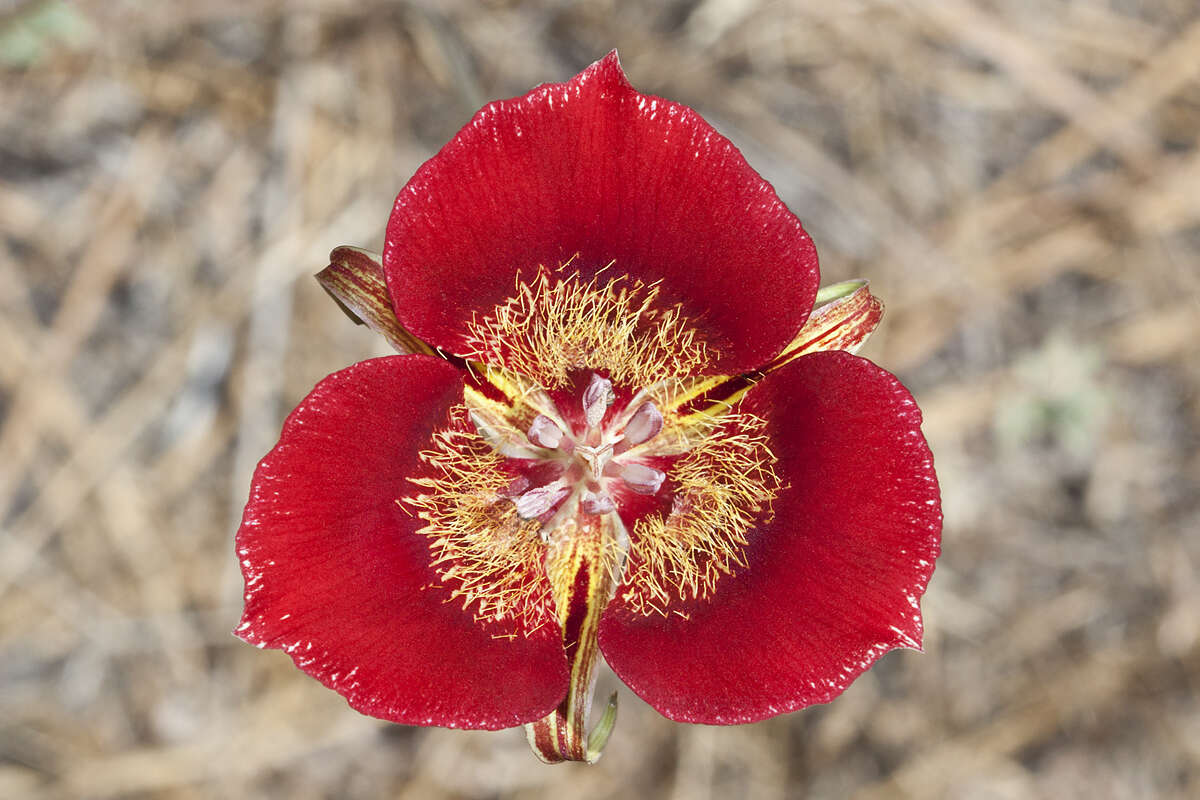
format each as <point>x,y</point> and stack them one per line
<point>1019,180</point>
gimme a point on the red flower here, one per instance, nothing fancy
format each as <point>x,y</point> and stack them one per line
<point>618,428</point>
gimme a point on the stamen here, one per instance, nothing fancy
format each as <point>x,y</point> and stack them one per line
<point>501,435</point>
<point>538,501</point>
<point>642,479</point>
<point>597,503</point>
<point>646,423</point>
<point>598,396</point>
<point>545,433</point>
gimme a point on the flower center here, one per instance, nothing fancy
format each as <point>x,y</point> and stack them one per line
<point>582,455</point>
<point>589,449</point>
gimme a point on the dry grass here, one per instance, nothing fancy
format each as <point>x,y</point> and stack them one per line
<point>1019,181</point>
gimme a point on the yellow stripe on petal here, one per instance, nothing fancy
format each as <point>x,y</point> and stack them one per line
<point>526,399</point>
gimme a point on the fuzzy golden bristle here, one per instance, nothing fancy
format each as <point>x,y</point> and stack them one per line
<point>485,554</point>
<point>723,484</point>
<point>554,325</point>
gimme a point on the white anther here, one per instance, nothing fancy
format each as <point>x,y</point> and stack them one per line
<point>597,398</point>
<point>545,433</point>
<point>538,501</point>
<point>645,424</point>
<point>502,437</point>
<point>597,503</point>
<point>642,479</point>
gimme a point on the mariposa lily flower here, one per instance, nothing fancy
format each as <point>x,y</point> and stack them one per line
<point>624,423</point>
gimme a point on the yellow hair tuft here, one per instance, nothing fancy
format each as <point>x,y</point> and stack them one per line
<point>553,326</point>
<point>485,554</point>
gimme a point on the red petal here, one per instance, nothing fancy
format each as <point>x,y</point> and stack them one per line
<point>337,577</point>
<point>833,580</point>
<point>594,168</point>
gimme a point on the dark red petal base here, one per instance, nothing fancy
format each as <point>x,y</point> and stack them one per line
<point>593,168</point>
<point>834,579</point>
<point>337,577</point>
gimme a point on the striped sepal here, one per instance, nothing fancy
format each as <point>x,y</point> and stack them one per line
<point>354,278</point>
<point>844,315</point>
